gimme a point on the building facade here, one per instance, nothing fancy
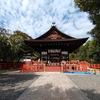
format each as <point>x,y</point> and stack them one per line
<point>54,46</point>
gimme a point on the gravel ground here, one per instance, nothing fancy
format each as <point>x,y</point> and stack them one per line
<point>89,84</point>
<point>13,84</point>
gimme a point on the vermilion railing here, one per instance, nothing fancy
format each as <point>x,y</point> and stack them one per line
<point>97,66</point>
<point>10,65</point>
<point>32,67</point>
<point>82,66</point>
<point>41,67</point>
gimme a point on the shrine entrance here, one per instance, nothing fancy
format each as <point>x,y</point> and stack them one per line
<point>53,57</point>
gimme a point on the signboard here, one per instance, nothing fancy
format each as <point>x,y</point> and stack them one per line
<point>54,50</point>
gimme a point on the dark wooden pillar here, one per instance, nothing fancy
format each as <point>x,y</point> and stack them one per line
<point>40,55</point>
<point>68,56</point>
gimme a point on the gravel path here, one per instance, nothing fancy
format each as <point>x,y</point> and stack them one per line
<point>13,84</point>
<point>89,84</point>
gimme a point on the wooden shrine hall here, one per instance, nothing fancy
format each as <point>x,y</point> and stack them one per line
<point>54,46</point>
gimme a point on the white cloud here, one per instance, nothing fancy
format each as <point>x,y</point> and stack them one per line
<point>35,17</point>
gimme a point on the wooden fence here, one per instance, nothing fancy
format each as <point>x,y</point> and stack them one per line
<point>32,67</point>
<point>82,66</point>
<point>10,65</point>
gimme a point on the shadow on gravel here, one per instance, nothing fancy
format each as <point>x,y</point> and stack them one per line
<point>47,92</point>
<point>13,85</point>
<point>50,92</point>
<point>89,84</point>
<point>91,94</point>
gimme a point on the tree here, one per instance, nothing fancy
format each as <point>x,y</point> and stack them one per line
<point>89,51</point>
<point>12,46</point>
<point>74,55</point>
<point>19,49</point>
<point>93,8</point>
<point>94,51</point>
<point>4,45</point>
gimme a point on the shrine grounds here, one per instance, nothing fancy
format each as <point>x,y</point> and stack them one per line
<point>14,83</point>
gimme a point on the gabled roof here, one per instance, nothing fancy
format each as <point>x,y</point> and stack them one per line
<point>55,39</point>
<point>54,31</point>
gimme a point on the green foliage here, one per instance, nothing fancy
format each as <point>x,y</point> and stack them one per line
<point>4,46</point>
<point>17,45</point>
<point>12,47</point>
<point>88,52</point>
<point>94,51</point>
<point>74,55</point>
<point>92,7</point>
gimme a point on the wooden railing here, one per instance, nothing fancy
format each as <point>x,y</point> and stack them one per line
<point>36,66</point>
<point>82,66</point>
<point>33,67</point>
<point>97,66</point>
<point>10,65</point>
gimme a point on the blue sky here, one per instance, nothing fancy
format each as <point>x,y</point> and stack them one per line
<point>35,17</point>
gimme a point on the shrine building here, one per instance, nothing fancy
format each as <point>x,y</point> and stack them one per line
<point>54,46</point>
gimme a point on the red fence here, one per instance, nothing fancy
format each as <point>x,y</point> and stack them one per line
<point>10,65</point>
<point>82,66</point>
<point>77,66</point>
<point>30,67</point>
<point>97,66</point>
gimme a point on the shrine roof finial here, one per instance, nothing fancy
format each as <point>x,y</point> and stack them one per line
<point>53,24</point>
